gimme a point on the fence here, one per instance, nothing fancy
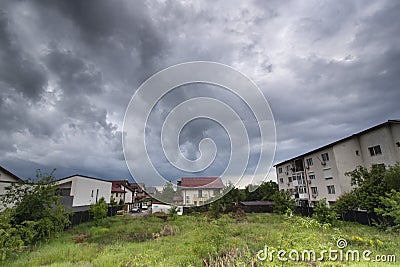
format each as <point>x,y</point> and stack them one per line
<point>84,216</point>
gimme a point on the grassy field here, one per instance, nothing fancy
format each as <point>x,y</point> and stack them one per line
<point>199,241</point>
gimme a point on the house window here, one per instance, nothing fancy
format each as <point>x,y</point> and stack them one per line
<point>200,193</point>
<point>325,157</point>
<point>328,173</point>
<point>375,150</point>
<point>311,176</point>
<point>290,179</point>
<point>280,170</point>
<point>309,162</point>
<point>281,180</point>
<point>216,192</point>
<point>331,189</point>
<point>314,190</point>
<point>91,194</point>
<point>357,153</point>
<point>188,199</point>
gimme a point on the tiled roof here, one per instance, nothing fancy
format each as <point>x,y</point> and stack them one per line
<point>117,190</point>
<point>202,182</point>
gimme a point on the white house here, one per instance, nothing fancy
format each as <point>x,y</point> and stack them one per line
<point>79,191</point>
<point>320,173</point>
<point>196,191</point>
<point>6,179</point>
<point>123,191</point>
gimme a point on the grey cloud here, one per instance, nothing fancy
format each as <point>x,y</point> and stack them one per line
<point>19,70</point>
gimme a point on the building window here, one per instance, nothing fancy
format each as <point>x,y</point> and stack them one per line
<point>92,194</point>
<point>314,190</point>
<point>216,192</point>
<point>327,173</point>
<point>200,193</point>
<point>287,168</point>
<point>281,180</point>
<point>188,199</point>
<point>302,190</point>
<point>325,157</point>
<point>375,150</point>
<point>357,153</point>
<point>331,189</point>
<point>290,179</point>
<point>311,176</point>
<point>309,162</point>
<point>280,170</point>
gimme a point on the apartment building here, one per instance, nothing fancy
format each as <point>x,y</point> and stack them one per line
<point>320,173</point>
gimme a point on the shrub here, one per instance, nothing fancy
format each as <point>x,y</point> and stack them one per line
<point>32,214</point>
<point>215,209</point>
<point>173,212</point>
<point>324,214</point>
<point>99,211</point>
<point>391,208</point>
<point>283,202</point>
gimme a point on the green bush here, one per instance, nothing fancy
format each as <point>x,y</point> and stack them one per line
<point>215,209</point>
<point>391,208</point>
<point>283,202</point>
<point>173,212</point>
<point>99,211</point>
<point>32,213</point>
<point>324,214</point>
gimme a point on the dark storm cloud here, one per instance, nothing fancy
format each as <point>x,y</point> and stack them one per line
<point>69,68</point>
<point>19,71</point>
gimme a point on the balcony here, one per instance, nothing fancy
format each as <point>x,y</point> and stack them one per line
<point>303,196</point>
<point>198,199</point>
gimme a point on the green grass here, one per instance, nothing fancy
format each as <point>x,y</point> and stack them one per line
<point>199,241</point>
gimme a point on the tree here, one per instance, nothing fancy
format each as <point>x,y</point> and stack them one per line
<point>283,202</point>
<point>32,213</point>
<point>265,191</point>
<point>391,208</point>
<point>371,185</point>
<point>113,203</point>
<point>371,192</point>
<point>167,194</point>
<point>345,203</point>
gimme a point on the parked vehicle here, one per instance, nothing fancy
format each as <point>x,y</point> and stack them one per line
<point>135,209</point>
<point>120,213</point>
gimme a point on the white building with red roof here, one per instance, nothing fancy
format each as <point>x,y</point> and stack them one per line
<point>196,191</point>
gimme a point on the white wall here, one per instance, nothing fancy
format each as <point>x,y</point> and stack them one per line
<point>82,188</point>
<point>347,160</point>
<point>5,181</point>
<point>193,194</point>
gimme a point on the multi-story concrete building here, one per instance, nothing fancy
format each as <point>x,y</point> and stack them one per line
<point>320,173</point>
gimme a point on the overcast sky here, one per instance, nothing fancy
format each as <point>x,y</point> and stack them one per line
<point>69,68</point>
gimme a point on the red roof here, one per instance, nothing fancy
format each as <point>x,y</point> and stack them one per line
<point>202,182</point>
<point>117,190</point>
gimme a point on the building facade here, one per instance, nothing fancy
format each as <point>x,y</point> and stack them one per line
<point>196,191</point>
<point>320,173</point>
<point>79,192</point>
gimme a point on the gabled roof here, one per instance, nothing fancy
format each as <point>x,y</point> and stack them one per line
<point>125,183</point>
<point>389,122</point>
<point>83,176</point>
<point>11,174</point>
<point>202,182</point>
